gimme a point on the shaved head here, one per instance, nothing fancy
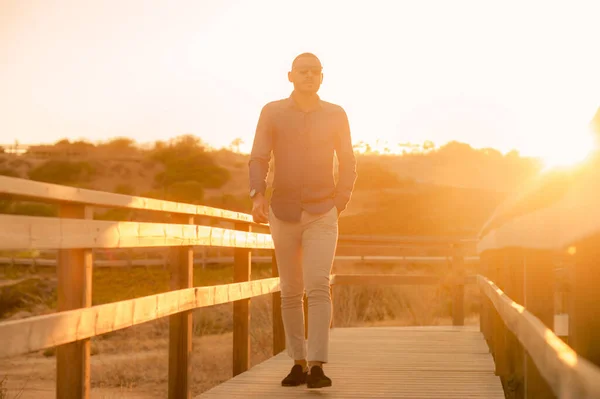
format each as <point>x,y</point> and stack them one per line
<point>305,55</point>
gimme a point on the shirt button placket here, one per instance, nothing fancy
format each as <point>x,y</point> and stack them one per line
<point>306,140</point>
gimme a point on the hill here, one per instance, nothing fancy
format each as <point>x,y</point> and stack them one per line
<point>449,191</point>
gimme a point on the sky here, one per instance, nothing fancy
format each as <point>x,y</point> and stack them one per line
<point>504,74</point>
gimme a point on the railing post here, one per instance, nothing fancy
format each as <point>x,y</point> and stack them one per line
<point>180,325</point>
<point>514,272</point>
<point>458,286</point>
<point>278,331</point>
<point>74,272</point>
<point>499,329</point>
<point>486,308</point>
<point>242,258</point>
<point>539,301</point>
<point>584,323</point>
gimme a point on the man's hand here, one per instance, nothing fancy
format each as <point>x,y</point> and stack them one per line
<point>259,209</point>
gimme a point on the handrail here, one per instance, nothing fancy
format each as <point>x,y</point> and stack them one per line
<point>41,332</point>
<point>33,232</point>
<point>567,373</point>
<point>30,189</point>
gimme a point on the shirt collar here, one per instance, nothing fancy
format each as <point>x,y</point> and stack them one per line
<point>292,103</point>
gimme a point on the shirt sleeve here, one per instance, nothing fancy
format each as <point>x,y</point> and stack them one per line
<point>261,152</point>
<point>347,164</point>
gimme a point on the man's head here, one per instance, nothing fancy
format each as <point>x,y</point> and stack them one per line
<point>306,73</point>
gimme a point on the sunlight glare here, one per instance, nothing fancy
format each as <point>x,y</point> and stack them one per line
<point>568,153</point>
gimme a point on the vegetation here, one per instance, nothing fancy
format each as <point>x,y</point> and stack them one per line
<point>63,172</point>
<point>188,170</point>
<point>374,176</point>
<point>8,172</point>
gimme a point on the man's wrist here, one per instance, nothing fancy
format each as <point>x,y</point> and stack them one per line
<point>255,193</point>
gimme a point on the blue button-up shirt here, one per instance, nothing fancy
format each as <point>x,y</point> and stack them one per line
<point>303,145</point>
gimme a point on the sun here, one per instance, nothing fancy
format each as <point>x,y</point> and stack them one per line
<point>570,152</point>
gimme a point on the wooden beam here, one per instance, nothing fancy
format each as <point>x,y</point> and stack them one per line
<point>181,266</point>
<point>498,327</point>
<point>30,232</point>
<point>41,332</point>
<point>383,279</point>
<point>74,292</point>
<point>539,301</point>
<point>514,276</point>
<point>458,286</point>
<point>484,308</point>
<point>55,193</point>
<point>278,330</point>
<point>241,309</point>
<point>584,323</point>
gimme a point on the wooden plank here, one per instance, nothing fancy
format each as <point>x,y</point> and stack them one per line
<point>180,324</point>
<point>278,330</point>
<point>383,279</point>
<point>568,374</point>
<point>485,313</point>
<point>74,291</point>
<point>458,286</point>
<point>40,332</point>
<point>539,301</point>
<point>412,240</point>
<point>584,323</point>
<point>53,192</point>
<point>228,259</point>
<point>514,272</point>
<point>241,309</point>
<point>29,232</point>
<point>386,362</point>
<point>498,328</point>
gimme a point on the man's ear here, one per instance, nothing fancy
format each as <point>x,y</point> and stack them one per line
<point>290,77</point>
<point>322,78</point>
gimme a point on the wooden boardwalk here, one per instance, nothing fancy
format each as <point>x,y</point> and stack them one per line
<point>384,362</point>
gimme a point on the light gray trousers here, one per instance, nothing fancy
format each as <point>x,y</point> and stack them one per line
<point>305,252</point>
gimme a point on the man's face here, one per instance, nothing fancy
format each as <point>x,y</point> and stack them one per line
<point>306,75</point>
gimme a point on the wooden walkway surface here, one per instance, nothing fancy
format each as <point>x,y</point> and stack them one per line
<point>384,362</point>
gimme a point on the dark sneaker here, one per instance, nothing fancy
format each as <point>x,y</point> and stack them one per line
<point>317,378</point>
<point>296,377</point>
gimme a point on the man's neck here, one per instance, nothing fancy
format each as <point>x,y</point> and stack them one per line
<point>306,101</point>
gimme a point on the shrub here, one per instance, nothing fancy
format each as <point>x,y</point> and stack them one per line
<point>188,169</point>
<point>187,191</point>
<point>372,175</point>
<point>8,172</point>
<point>126,189</point>
<point>63,172</point>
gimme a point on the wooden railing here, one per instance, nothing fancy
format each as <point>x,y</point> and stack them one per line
<point>75,234</point>
<point>538,249</point>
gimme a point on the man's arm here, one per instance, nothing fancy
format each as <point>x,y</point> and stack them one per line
<point>261,153</point>
<point>347,164</point>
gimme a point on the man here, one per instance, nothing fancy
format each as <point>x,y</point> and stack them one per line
<point>303,132</point>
